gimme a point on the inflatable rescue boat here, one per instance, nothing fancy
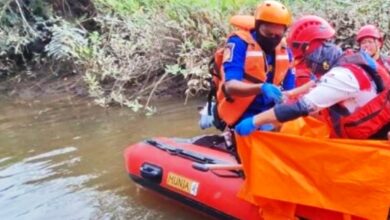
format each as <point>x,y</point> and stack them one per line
<point>205,178</point>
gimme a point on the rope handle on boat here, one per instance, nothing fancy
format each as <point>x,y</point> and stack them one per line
<point>194,156</point>
<point>202,162</point>
<point>207,167</point>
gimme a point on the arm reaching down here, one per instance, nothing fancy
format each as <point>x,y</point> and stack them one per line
<point>280,113</point>
<point>336,86</point>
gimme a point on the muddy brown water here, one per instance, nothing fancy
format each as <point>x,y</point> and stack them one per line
<point>63,160</point>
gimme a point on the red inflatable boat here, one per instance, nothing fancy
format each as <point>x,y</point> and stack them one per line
<point>179,169</point>
<point>166,166</point>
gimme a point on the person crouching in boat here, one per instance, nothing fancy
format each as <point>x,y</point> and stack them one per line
<point>304,77</point>
<point>351,93</point>
<point>303,73</point>
<point>256,64</point>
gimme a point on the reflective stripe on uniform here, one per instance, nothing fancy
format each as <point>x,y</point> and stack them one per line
<point>254,54</point>
<point>282,57</point>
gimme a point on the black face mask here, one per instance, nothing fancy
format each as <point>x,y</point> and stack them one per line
<point>268,44</point>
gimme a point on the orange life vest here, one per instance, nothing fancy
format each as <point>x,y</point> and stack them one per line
<point>240,22</point>
<point>231,108</point>
<point>243,22</point>
<point>368,119</point>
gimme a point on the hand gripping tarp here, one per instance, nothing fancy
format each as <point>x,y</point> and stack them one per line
<point>300,165</point>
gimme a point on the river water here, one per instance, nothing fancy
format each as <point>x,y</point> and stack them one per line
<point>63,160</point>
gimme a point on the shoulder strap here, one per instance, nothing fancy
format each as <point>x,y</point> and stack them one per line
<point>367,63</point>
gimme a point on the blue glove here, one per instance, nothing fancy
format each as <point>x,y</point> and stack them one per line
<point>246,126</point>
<point>267,127</point>
<point>271,93</point>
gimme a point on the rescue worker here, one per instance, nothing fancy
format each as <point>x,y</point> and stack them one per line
<point>352,89</point>
<point>304,78</point>
<point>255,64</point>
<point>303,73</point>
<point>370,40</point>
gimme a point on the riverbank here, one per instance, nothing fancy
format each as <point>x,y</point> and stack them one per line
<point>131,53</point>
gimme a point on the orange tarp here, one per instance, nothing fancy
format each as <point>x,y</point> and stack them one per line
<point>302,166</point>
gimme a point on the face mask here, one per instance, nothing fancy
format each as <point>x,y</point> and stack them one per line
<point>323,58</point>
<point>268,44</point>
<point>318,69</point>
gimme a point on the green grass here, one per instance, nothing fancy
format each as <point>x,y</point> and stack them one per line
<point>145,42</point>
<point>128,7</point>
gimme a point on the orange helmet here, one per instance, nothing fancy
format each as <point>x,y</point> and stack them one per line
<point>273,12</point>
<point>369,31</point>
<point>307,33</point>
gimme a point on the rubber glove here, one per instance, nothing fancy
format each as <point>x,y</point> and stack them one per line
<point>246,126</point>
<point>206,120</point>
<point>271,93</point>
<point>266,127</point>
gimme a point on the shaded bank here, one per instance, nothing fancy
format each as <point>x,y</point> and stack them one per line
<point>131,52</point>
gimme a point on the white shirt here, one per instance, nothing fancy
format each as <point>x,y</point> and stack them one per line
<point>339,85</point>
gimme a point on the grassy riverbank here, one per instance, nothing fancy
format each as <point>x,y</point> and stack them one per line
<point>128,52</point>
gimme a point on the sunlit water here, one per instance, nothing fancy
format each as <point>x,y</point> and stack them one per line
<point>63,160</point>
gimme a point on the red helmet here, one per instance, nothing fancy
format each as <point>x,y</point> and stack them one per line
<point>307,30</point>
<point>369,31</point>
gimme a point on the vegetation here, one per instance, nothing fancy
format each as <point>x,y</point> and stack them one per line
<point>129,51</point>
